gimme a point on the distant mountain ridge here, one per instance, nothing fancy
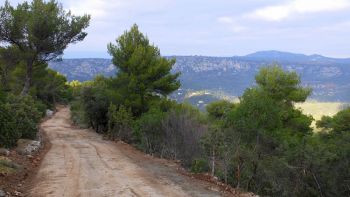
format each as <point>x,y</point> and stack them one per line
<point>84,69</point>
<point>292,57</point>
<point>230,76</point>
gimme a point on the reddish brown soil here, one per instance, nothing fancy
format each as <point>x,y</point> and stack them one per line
<point>14,183</point>
<point>78,162</point>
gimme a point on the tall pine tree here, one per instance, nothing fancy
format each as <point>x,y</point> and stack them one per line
<point>143,74</point>
<point>41,31</point>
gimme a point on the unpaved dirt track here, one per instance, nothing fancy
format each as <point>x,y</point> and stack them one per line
<point>80,163</point>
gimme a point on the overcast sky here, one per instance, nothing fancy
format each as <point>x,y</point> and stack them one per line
<point>217,27</point>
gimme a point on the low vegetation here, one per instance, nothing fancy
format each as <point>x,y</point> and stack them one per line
<point>7,166</point>
<point>31,35</point>
<point>264,143</point>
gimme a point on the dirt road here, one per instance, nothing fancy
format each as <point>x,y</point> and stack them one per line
<point>80,163</point>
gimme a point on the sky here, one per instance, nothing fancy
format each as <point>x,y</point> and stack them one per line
<point>217,27</point>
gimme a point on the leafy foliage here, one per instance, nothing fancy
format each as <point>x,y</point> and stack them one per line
<point>183,127</point>
<point>32,34</point>
<point>281,85</point>
<point>148,129</point>
<point>143,74</point>
<point>40,30</point>
<point>219,109</point>
<point>8,62</point>
<point>262,144</point>
<point>339,123</point>
<point>52,88</point>
<point>8,136</point>
<point>329,157</point>
<point>95,104</point>
<point>252,147</point>
<point>19,119</point>
<point>120,123</point>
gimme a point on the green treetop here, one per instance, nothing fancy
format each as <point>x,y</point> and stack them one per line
<point>281,85</point>
<point>40,30</point>
<point>143,74</point>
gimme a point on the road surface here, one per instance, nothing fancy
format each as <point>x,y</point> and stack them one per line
<point>81,163</point>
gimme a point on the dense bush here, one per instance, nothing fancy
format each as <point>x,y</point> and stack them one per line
<point>329,155</point>
<point>52,88</point>
<point>19,119</point>
<point>24,52</point>
<point>8,134</point>
<point>120,122</point>
<point>183,127</point>
<point>220,109</point>
<point>148,131</point>
<point>27,113</point>
<point>173,134</point>
<point>258,146</point>
<point>78,114</point>
<point>95,98</point>
<point>48,86</point>
<point>199,166</point>
<point>339,123</point>
<point>265,145</point>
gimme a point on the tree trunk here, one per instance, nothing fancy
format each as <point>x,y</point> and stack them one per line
<point>318,184</point>
<point>4,80</point>
<point>225,170</point>
<point>226,165</point>
<point>213,163</point>
<point>28,80</point>
<point>238,176</point>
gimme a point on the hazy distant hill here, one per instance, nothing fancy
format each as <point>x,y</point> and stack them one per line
<point>83,69</point>
<point>224,77</point>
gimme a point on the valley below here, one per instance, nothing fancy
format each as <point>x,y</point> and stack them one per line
<point>207,79</point>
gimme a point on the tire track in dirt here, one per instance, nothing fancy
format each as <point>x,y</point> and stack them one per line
<point>81,163</point>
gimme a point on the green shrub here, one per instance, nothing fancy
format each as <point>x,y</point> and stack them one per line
<point>27,114</point>
<point>148,131</point>
<point>183,129</point>
<point>119,123</point>
<point>41,107</point>
<point>8,132</point>
<point>51,88</point>
<point>219,109</point>
<point>78,115</point>
<point>199,166</point>
<point>95,102</point>
<point>19,117</point>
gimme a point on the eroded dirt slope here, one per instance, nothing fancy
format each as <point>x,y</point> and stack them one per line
<point>80,163</point>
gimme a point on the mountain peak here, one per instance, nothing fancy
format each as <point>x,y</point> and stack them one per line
<point>274,53</point>
<point>283,56</point>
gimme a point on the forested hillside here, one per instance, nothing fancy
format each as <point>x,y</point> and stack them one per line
<point>212,78</point>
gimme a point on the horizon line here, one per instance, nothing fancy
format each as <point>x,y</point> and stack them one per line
<point>196,55</point>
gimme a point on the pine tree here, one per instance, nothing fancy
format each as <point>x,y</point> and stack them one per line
<point>143,74</point>
<point>41,31</point>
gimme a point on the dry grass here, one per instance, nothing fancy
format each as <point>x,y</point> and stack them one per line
<point>319,109</point>
<point>6,166</point>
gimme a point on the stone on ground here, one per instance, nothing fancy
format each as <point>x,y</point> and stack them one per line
<point>4,152</point>
<point>27,147</point>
